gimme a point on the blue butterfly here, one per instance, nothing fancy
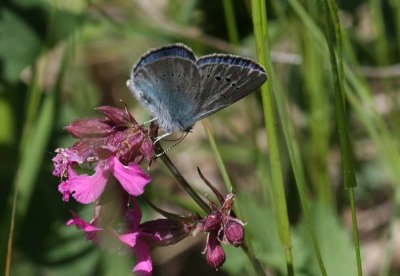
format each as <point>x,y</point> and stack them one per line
<point>179,89</point>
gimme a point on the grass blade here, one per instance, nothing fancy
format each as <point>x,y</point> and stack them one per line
<point>259,14</point>
<point>333,34</point>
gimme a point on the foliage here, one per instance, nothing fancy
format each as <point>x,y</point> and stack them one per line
<point>59,60</point>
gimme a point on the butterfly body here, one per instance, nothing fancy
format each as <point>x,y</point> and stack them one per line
<point>179,89</point>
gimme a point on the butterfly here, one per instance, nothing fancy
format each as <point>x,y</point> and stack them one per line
<point>179,89</point>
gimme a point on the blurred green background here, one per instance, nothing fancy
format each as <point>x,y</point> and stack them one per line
<point>61,59</point>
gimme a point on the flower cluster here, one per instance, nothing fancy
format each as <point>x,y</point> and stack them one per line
<point>103,167</point>
<point>111,146</point>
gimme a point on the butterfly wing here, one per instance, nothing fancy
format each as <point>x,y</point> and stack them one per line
<point>225,79</point>
<point>164,81</point>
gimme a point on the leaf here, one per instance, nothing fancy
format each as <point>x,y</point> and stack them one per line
<point>332,237</point>
<point>19,45</point>
<point>26,29</point>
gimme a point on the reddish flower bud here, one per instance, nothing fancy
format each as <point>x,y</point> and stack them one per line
<point>119,117</point>
<point>212,222</point>
<point>89,128</point>
<point>214,252</point>
<point>163,232</point>
<point>234,232</point>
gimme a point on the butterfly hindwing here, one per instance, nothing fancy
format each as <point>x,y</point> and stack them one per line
<point>225,79</point>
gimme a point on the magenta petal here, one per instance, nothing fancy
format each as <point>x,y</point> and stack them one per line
<point>82,224</point>
<point>144,265</point>
<point>89,228</point>
<point>88,188</point>
<point>129,239</point>
<point>132,178</point>
<point>65,189</point>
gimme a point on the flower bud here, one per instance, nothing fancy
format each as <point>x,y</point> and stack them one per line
<point>212,222</point>
<point>89,128</point>
<point>234,232</point>
<point>214,252</point>
<point>163,232</point>
<point>119,117</point>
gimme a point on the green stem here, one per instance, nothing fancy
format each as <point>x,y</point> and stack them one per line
<point>12,226</point>
<point>260,22</point>
<point>218,157</point>
<point>185,185</point>
<point>231,22</point>
<point>333,35</point>
<point>355,231</point>
<point>257,265</point>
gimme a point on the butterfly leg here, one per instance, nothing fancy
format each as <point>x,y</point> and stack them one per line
<point>171,147</point>
<point>161,137</point>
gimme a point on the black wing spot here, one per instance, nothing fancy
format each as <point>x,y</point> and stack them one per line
<point>179,75</point>
<point>146,99</point>
<point>228,79</point>
<point>208,75</point>
<point>172,74</point>
<point>233,84</point>
<point>218,78</point>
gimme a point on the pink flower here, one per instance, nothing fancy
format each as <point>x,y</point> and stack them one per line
<point>89,227</point>
<point>124,213</point>
<point>88,188</point>
<point>112,146</point>
<point>64,161</point>
<point>136,240</point>
<point>221,226</point>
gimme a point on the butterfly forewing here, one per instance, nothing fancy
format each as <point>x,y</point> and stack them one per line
<point>179,90</point>
<point>165,84</point>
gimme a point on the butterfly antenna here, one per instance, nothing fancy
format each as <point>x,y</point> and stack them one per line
<point>173,146</point>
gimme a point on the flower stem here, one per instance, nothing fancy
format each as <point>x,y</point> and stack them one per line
<point>182,181</point>
<point>257,265</point>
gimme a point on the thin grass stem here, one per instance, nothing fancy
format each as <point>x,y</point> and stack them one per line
<point>333,35</point>
<point>218,157</point>
<point>260,22</point>
<point>231,22</point>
